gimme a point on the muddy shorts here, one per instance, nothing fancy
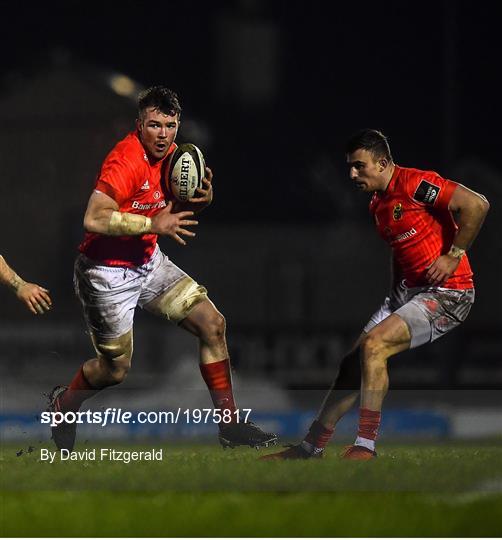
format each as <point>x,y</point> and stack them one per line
<point>109,294</point>
<point>429,312</point>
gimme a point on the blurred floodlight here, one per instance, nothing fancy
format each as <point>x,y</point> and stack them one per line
<point>123,86</point>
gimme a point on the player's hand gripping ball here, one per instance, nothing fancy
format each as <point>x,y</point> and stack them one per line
<point>186,171</point>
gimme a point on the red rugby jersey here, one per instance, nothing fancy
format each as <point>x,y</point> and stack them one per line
<point>412,216</point>
<point>135,183</point>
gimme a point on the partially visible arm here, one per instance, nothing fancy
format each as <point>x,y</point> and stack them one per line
<point>34,297</point>
<point>99,214</point>
<point>103,216</point>
<point>8,276</point>
<point>470,209</point>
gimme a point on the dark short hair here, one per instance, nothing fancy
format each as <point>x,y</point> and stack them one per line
<point>161,98</point>
<point>373,141</point>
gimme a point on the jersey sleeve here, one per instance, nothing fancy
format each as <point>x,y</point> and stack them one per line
<point>116,178</point>
<point>430,189</point>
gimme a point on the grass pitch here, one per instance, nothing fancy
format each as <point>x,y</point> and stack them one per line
<point>201,490</point>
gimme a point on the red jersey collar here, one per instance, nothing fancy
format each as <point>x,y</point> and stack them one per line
<point>390,185</point>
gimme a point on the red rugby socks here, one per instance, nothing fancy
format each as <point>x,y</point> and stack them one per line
<point>218,378</point>
<point>369,422</point>
<point>317,438</point>
<point>78,391</point>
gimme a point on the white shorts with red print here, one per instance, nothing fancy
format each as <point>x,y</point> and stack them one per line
<point>429,312</point>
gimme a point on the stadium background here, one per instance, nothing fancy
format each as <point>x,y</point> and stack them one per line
<point>270,91</point>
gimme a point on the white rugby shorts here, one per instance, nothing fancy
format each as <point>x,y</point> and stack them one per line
<point>429,312</point>
<point>109,295</point>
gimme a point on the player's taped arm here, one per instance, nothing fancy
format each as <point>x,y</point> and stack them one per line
<point>9,277</point>
<point>103,216</point>
<point>470,209</point>
<point>125,224</point>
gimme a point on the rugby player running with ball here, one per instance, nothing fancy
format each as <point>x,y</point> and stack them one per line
<point>120,266</point>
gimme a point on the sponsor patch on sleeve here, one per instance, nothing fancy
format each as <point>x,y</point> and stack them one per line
<point>426,192</point>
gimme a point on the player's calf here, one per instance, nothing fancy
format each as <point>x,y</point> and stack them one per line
<point>64,399</point>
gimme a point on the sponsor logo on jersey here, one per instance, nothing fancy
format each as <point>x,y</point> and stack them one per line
<point>397,212</point>
<point>136,205</point>
<point>145,186</point>
<point>426,192</point>
<point>406,235</point>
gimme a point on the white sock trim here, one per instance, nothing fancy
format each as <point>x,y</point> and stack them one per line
<point>367,443</point>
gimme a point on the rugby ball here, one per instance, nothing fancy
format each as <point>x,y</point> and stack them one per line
<point>186,171</point>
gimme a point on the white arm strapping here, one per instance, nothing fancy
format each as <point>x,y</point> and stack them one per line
<point>125,224</point>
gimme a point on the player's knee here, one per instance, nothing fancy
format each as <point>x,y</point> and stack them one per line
<point>115,357</point>
<point>372,346</point>
<point>213,328</point>
<point>374,357</point>
<point>116,349</point>
<point>114,371</point>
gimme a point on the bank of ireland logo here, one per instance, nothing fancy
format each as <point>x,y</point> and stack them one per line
<point>397,212</point>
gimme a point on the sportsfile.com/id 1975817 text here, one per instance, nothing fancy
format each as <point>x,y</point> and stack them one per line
<point>114,415</point>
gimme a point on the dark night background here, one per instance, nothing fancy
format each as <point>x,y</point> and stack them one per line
<point>425,74</point>
<point>270,91</point>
